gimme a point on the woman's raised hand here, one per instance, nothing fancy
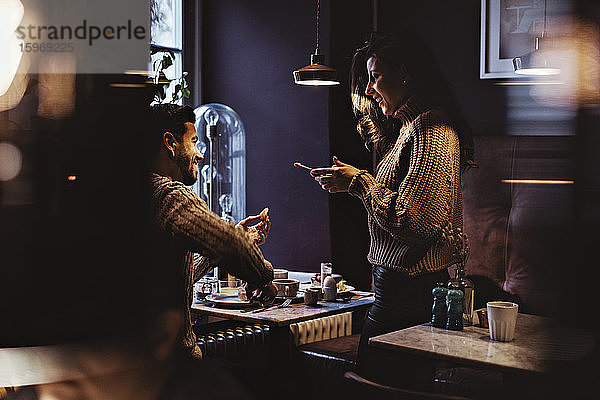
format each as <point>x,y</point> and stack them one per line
<point>335,179</point>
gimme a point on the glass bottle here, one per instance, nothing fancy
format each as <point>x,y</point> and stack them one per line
<point>464,284</point>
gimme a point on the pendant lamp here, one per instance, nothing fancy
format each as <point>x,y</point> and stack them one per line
<point>535,63</point>
<point>316,74</point>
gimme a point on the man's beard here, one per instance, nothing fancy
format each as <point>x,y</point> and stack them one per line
<point>187,169</point>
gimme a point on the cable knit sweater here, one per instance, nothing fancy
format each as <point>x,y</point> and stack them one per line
<point>184,226</point>
<point>415,193</point>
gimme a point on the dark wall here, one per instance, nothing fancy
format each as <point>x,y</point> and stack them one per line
<point>250,49</point>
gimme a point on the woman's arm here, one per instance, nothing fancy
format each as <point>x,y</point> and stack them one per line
<point>421,205</point>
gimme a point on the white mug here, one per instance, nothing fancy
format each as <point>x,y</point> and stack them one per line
<point>279,273</point>
<point>502,320</point>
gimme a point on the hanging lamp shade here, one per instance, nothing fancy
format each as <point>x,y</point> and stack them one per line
<point>535,63</point>
<point>316,74</point>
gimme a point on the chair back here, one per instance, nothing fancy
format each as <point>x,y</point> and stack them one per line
<point>362,388</point>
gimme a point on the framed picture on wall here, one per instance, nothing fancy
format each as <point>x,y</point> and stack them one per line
<point>508,28</point>
<point>166,24</point>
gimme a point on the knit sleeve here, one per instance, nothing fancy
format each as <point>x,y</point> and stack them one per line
<point>201,265</point>
<point>188,220</point>
<point>421,205</point>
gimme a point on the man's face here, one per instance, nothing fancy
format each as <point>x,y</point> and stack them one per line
<point>187,155</point>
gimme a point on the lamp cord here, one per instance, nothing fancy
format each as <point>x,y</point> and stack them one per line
<point>318,13</point>
<point>544,29</point>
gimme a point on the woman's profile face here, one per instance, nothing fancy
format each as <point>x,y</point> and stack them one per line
<point>387,85</point>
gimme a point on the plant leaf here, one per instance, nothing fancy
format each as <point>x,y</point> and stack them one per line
<point>166,62</point>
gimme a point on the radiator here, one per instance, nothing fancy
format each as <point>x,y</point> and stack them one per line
<point>323,328</point>
<point>237,343</point>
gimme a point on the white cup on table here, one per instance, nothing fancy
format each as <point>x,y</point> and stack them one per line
<point>280,273</point>
<point>502,320</point>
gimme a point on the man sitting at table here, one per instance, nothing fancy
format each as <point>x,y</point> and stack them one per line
<point>183,224</point>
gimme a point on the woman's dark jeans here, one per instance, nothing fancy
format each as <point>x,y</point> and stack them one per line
<point>400,302</point>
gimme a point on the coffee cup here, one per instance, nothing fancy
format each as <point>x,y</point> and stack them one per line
<point>502,320</point>
<point>319,289</point>
<point>311,296</point>
<point>279,273</point>
<point>286,287</point>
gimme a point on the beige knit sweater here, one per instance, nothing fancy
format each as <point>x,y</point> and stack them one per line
<point>416,191</point>
<point>185,228</point>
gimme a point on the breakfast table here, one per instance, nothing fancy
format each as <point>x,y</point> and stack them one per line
<point>279,319</point>
<point>296,312</point>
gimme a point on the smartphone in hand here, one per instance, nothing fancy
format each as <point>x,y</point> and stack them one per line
<point>299,165</point>
<point>309,169</point>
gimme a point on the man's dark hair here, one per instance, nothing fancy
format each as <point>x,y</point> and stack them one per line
<point>171,118</point>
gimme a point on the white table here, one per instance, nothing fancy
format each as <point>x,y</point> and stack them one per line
<point>537,343</point>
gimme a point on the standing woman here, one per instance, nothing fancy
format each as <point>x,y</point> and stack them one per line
<point>422,144</point>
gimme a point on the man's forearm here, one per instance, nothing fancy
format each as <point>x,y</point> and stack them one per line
<point>188,218</point>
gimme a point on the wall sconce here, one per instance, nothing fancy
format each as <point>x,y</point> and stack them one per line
<point>316,74</point>
<point>536,63</point>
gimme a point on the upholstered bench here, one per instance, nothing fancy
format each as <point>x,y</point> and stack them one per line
<point>334,355</point>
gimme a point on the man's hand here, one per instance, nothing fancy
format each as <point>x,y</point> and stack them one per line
<point>335,179</point>
<point>265,295</point>
<point>260,230</point>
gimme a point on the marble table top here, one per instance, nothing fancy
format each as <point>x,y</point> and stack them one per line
<point>536,344</point>
<point>285,316</point>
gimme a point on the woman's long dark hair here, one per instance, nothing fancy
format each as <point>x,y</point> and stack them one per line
<point>425,79</point>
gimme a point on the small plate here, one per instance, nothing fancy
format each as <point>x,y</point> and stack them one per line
<point>345,294</point>
<point>227,300</point>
